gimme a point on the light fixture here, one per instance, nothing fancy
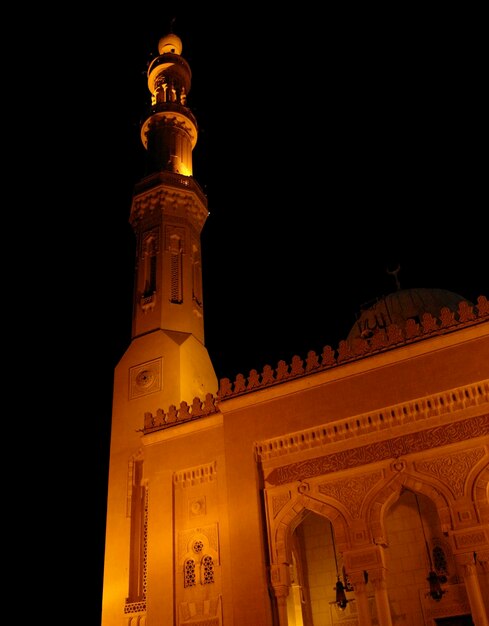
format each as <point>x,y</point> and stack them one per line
<point>436,592</point>
<point>341,599</point>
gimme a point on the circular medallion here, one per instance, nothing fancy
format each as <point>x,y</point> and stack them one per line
<point>198,546</point>
<point>145,378</point>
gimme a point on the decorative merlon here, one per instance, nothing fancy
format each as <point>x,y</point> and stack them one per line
<point>176,416</point>
<point>382,340</point>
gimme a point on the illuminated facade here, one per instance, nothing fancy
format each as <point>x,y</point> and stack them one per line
<point>362,471</point>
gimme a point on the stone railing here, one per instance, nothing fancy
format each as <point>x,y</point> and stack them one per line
<point>171,179</point>
<point>383,339</point>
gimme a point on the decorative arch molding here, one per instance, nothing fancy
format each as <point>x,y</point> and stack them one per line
<point>359,526</point>
<point>381,499</point>
<point>286,509</point>
<point>293,514</point>
<point>480,492</point>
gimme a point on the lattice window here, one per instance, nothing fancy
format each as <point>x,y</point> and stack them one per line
<point>189,573</point>
<point>207,570</point>
<point>176,288</point>
<point>149,256</point>
<point>138,535</point>
<point>196,275</point>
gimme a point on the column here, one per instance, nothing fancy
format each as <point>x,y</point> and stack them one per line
<point>370,559</point>
<point>361,599</point>
<point>381,598</point>
<point>281,594</point>
<point>280,579</point>
<point>467,563</point>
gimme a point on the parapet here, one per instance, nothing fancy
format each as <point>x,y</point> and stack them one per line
<point>382,339</point>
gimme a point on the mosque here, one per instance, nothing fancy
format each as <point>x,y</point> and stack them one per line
<point>345,488</point>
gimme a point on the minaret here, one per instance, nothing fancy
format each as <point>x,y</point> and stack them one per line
<point>166,362</point>
<point>168,213</point>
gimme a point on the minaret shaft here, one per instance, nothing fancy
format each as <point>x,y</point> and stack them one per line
<point>169,208</point>
<point>167,219</point>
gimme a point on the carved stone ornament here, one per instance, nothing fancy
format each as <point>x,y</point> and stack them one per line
<point>145,378</point>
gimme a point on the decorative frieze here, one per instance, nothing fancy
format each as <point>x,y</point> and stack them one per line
<point>171,193</point>
<point>195,475</point>
<point>368,559</point>
<point>381,451</point>
<point>414,411</point>
<point>471,540</point>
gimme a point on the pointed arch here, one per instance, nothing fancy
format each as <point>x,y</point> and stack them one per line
<point>381,499</point>
<point>293,514</point>
<point>480,493</point>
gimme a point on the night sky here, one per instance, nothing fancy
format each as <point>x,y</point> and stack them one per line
<point>331,150</point>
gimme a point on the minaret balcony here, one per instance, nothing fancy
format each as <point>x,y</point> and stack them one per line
<point>169,63</point>
<point>171,179</point>
<point>168,59</point>
<point>171,107</point>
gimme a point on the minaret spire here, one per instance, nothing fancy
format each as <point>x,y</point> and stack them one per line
<point>170,131</point>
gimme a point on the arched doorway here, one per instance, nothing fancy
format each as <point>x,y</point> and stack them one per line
<point>314,574</point>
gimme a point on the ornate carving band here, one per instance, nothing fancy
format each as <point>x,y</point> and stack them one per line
<point>381,451</point>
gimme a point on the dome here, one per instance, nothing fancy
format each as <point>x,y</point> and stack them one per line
<point>170,43</point>
<point>398,307</point>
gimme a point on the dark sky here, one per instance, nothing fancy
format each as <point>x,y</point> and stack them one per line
<point>330,150</point>
<point>327,158</point>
